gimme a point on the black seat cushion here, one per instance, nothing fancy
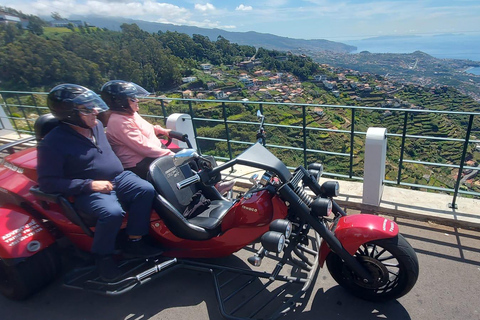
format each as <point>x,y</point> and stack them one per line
<point>170,202</point>
<point>44,124</point>
<point>164,176</point>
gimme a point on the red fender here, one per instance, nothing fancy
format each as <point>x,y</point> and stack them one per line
<point>355,230</point>
<point>21,235</point>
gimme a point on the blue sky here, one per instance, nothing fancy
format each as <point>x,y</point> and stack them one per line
<point>306,19</point>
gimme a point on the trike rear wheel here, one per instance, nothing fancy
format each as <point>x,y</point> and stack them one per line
<point>19,281</point>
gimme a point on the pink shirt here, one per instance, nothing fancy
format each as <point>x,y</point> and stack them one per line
<point>133,138</point>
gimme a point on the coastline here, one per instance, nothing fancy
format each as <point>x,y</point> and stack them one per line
<point>469,70</point>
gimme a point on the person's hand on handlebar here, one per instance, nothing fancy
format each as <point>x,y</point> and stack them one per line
<point>162,131</point>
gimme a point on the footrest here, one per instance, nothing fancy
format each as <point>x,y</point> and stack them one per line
<point>135,273</point>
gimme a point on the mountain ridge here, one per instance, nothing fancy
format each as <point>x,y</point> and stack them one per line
<point>252,38</point>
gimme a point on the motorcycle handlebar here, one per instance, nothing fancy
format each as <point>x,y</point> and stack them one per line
<point>180,136</point>
<point>189,181</point>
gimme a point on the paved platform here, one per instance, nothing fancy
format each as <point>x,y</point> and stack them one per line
<point>397,202</point>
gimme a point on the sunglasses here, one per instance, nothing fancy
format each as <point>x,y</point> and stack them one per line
<point>133,99</point>
<point>87,112</point>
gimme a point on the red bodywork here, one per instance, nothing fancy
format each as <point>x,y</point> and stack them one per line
<point>240,227</point>
<point>21,235</point>
<point>355,230</point>
<point>246,221</point>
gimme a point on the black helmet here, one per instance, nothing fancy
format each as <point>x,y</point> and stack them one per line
<point>64,100</point>
<point>116,93</point>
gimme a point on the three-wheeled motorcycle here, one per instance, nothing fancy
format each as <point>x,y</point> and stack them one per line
<point>287,218</point>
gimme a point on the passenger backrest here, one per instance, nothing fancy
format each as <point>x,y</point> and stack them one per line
<point>44,124</point>
<point>164,175</point>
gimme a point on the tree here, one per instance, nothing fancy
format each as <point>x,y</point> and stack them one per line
<point>35,25</point>
<point>57,16</point>
<point>9,33</point>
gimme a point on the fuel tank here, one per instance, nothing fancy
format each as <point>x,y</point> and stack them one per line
<point>255,209</point>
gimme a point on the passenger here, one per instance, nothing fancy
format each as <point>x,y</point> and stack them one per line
<point>75,159</point>
<point>132,138</point>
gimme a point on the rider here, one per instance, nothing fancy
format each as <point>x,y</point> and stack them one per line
<point>134,139</point>
<point>75,159</point>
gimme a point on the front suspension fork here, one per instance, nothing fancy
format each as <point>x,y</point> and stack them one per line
<point>335,245</point>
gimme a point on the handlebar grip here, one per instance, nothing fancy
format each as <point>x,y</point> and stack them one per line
<point>186,182</point>
<point>178,135</point>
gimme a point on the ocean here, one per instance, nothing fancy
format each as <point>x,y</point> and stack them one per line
<point>445,46</point>
<point>475,71</point>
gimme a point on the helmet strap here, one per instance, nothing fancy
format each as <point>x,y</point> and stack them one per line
<point>78,122</point>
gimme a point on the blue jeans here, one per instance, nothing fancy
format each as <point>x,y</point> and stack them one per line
<point>129,192</point>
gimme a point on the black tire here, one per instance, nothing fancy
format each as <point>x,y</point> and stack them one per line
<point>21,280</point>
<point>393,263</point>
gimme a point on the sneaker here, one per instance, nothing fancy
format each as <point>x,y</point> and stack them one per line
<point>140,249</point>
<point>107,268</point>
<point>225,186</point>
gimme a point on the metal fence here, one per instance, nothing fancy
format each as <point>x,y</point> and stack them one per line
<point>20,109</point>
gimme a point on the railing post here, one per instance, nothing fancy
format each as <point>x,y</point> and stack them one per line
<point>10,113</point>
<point>24,114</point>
<point>374,163</point>
<point>182,122</point>
<point>462,161</point>
<point>162,103</point>
<point>190,108</point>
<point>225,121</point>
<point>304,136</point>
<point>352,135</point>
<point>5,124</point>
<point>402,148</point>
<point>35,104</point>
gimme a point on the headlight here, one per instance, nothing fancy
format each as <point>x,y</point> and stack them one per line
<point>316,170</point>
<point>282,226</point>
<point>330,188</point>
<point>273,241</point>
<point>321,207</point>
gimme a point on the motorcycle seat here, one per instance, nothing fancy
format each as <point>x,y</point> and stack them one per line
<point>170,203</point>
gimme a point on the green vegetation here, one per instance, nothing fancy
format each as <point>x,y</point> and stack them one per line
<point>90,56</point>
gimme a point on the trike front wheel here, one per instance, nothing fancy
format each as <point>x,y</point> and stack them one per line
<point>392,263</point>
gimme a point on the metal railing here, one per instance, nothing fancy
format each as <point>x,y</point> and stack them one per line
<point>20,109</point>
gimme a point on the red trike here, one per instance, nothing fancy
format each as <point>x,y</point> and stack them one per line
<point>291,218</point>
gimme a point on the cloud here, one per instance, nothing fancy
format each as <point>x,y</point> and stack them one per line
<point>243,7</point>
<point>205,7</point>
<point>301,18</point>
<point>274,3</point>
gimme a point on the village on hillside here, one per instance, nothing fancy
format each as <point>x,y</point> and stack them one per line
<point>249,81</point>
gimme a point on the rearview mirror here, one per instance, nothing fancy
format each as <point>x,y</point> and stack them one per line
<point>259,114</point>
<point>184,156</point>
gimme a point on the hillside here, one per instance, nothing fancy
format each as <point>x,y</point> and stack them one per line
<point>256,39</point>
<point>411,68</point>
